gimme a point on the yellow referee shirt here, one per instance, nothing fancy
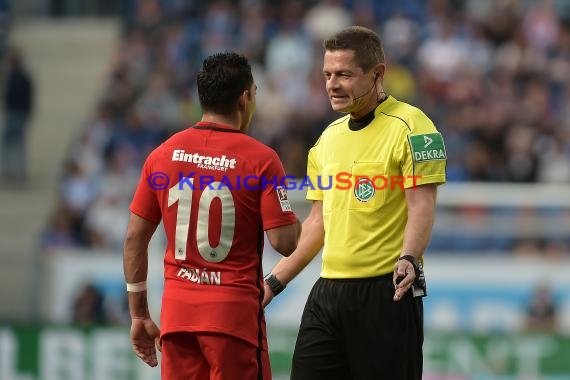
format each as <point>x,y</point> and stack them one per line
<point>361,175</point>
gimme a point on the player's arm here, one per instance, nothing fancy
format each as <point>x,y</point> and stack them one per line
<point>144,332</point>
<point>421,215</point>
<point>310,243</point>
<point>135,262</point>
<point>284,239</point>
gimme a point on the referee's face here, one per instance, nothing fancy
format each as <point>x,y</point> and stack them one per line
<point>348,87</point>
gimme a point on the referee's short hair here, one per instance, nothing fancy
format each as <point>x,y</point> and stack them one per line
<point>366,44</point>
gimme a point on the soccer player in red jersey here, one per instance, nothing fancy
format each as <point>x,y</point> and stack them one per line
<point>216,191</point>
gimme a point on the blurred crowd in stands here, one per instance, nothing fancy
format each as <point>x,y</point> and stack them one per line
<point>494,75</point>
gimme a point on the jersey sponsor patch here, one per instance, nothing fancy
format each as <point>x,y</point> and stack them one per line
<point>283,200</point>
<point>222,163</point>
<point>427,147</point>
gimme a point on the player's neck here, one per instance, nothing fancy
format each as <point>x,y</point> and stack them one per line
<point>230,120</point>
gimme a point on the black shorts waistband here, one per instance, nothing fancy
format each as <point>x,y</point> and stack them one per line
<point>384,277</point>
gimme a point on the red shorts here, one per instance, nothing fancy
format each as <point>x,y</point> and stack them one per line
<point>212,356</point>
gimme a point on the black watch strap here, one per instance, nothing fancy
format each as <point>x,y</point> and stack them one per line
<point>419,287</point>
<point>274,284</point>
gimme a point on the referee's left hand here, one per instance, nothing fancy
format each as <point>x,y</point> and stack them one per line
<point>404,276</point>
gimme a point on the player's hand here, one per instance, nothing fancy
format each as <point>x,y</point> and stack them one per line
<point>145,338</point>
<point>404,276</point>
<point>267,294</point>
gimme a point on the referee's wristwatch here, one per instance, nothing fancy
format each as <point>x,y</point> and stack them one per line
<point>419,286</point>
<point>274,284</point>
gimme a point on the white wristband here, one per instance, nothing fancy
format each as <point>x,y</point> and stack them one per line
<point>136,287</point>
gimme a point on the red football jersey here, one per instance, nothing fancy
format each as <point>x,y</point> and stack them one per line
<point>216,190</point>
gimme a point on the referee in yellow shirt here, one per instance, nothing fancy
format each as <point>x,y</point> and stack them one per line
<point>363,319</point>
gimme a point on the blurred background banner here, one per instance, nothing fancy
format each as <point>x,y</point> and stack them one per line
<point>90,87</point>
<point>73,353</point>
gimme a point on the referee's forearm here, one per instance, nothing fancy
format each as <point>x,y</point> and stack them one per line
<point>310,243</point>
<point>421,214</point>
<point>417,235</point>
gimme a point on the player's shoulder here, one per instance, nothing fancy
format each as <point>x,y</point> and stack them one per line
<point>254,147</point>
<point>172,140</point>
<point>166,149</point>
<point>408,116</point>
<point>255,153</point>
<point>240,142</point>
<point>178,137</point>
<point>164,146</point>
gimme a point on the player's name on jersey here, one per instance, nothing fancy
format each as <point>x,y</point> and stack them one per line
<point>222,162</point>
<point>200,276</point>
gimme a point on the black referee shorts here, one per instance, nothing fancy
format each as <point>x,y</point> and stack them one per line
<point>354,330</point>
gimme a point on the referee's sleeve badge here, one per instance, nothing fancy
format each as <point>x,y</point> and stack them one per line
<point>427,147</point>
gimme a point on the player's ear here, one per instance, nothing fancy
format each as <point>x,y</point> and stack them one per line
<point>243,99</point>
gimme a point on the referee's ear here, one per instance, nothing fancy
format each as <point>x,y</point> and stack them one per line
<point>379,71</point>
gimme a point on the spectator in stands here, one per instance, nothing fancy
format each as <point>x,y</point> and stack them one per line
<point>542,310</point>
<point>60,232</point>
<point>4,24</point>
<point>18,102</point>
<point>88,307</point>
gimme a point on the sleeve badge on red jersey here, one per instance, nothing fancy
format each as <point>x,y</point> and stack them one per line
<point>283,200</point>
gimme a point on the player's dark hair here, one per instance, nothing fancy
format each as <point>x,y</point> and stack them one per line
<point>366,44</point>
<point>223,78</point>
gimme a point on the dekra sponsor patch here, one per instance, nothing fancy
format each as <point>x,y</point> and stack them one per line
<point>427,147</point>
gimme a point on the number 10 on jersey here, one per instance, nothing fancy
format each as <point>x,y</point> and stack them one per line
<point>183,196</point>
